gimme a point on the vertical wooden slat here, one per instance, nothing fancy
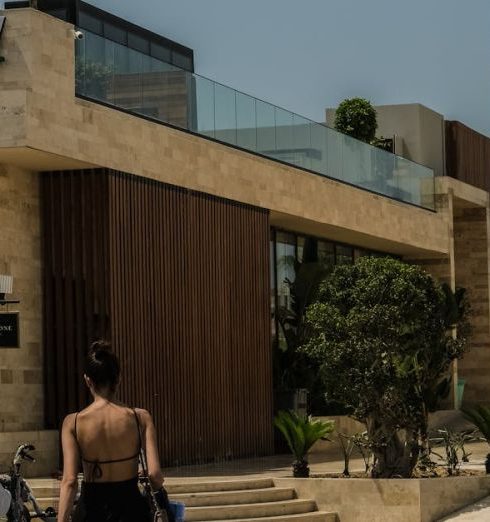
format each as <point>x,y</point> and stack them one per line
<point>179,280</point>
<point>467,155</point>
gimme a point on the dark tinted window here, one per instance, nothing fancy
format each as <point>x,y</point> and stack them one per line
<point>160,52</point>
<point>345,255</point>
<point>326,252</point>
<point>115,33</point>
<point>138,42</point>
<point>181,60</point>
<point>90,23</point>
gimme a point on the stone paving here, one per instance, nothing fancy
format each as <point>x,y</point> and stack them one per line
<point>280,465</point>
<point>478,512</point>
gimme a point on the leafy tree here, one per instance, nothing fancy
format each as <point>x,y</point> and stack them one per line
<point>301,432</point>
<point>356,117</point>
<point>379,333</point>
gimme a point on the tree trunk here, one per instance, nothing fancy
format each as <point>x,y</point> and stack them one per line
<point>393,456</point>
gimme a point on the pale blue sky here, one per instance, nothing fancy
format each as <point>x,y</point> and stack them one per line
<point>305,55</point>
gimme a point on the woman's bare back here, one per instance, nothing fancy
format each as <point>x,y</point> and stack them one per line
<point>109,442</point>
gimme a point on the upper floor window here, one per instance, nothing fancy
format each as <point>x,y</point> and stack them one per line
<point>102,23</point>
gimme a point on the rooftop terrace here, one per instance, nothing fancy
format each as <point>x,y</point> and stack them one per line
<point>123,78</point>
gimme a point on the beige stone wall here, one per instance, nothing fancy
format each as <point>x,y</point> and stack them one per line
<point>441,266</point>
<point>61,126</point>
<point>421,130</point>
<point>344,425</point>
<point>466,210</point>
<point>390,500</point>
<point>471,239</point>
<point>21,389</point>
<point>46,453</point>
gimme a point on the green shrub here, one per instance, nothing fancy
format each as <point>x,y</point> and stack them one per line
<point>356,117</point>
<point>380,332</point>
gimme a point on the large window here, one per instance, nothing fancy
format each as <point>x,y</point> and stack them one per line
<point>290,256</point>
<point>288,251</point>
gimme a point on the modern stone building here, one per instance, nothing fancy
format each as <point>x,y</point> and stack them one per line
<point>145,203</point>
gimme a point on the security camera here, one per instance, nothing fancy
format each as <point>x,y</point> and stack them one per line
<point>78,35</point>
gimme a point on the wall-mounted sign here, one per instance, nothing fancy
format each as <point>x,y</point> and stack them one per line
<point>9,330</point>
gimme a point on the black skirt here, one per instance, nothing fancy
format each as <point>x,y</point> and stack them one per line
<point>111,502</point>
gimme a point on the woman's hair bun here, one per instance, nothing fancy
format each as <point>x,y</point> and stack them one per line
<point>100,347</point>
<point>102,365</point>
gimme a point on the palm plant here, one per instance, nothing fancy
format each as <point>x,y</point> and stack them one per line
<point>480,417</point>
<point>301,432</point>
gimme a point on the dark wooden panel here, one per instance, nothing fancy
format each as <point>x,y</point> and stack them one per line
<point>75,226</point>
<point>467,155</point>
<point>179,281</point>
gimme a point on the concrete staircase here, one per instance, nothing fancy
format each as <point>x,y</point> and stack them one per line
<point>248,500</point>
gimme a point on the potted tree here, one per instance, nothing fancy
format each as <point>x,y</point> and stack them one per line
<point>379,333</point>
<point>301,432</point>
<point>356,117</point>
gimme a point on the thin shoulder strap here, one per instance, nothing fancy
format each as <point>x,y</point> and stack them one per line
<point>76,436</point>
<point>75,428</point>
<point>138,427</point>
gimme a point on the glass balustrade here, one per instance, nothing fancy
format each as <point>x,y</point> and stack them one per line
<point>122,77</point>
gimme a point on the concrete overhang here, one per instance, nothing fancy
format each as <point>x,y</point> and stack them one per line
<point>38,160</point>
<point>344,235</point>
<point>464,195</point>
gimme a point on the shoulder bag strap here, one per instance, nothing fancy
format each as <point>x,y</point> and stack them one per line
<point>159,515</point>
<point>142,454</point>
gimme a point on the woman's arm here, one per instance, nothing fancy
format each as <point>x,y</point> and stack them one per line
<point>149,438</point>
<point>71,460</point>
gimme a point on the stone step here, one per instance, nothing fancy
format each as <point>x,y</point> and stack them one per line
<point>214,498</point>
<point>50,487</point>
<point>315,516</point>
<point>45,502</point>
<point>222,498</point>
<point>244,511</point>
<point>45,491</point>
<point>220,485</point>
<point>255,500</point>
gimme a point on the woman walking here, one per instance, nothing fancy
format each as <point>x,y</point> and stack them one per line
<point>107,438</point>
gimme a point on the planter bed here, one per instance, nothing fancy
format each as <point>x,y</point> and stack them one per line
<point>391,500</point>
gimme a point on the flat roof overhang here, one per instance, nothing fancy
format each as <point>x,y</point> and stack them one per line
<point>39,160</point>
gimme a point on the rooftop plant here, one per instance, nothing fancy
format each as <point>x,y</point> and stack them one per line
<point>356,117</point>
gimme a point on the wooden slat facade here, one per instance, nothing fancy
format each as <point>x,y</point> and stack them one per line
<point>467,155</point>
<point>179,281</point>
